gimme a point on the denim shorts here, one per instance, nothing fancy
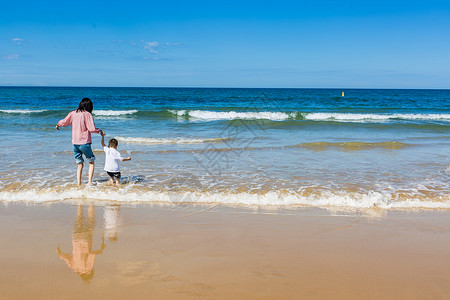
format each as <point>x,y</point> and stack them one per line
<point>79,150</point>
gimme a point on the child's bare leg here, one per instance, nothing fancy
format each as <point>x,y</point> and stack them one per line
<point>79,172</point>
<point>117,181</point>
<point>91,172</point>
<point>111,180</point>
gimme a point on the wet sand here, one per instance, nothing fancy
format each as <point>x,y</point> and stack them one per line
<point>212,252</point>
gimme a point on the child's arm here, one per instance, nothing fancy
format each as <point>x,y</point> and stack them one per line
<point>126,159</point>
<point>103,138</point>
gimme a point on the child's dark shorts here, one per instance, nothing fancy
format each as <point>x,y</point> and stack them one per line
<point>114,174</point>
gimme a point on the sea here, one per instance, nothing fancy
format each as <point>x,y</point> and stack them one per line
<point>351,148</point>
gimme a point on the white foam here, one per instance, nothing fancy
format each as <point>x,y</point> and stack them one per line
<point>114,112</point>
<point>206,115</point>
<point>362,117</point>
<point>21,111</point>
<point>179,140</point>
<point>275,198</point>
<point>178,112</point>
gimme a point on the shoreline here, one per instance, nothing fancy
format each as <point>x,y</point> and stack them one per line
<point>250,207</point>
<point>128,193</point>
<point>210,251</point>
<point>278,208</point>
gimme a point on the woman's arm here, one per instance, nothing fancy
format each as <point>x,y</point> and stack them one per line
<point>90,124</point>
<point>65,122</point>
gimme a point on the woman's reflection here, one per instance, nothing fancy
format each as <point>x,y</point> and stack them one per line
<point>83,257</point>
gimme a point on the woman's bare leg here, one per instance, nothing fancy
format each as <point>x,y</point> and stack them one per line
<point>79,172</point>
<point>80,212</point>
<point>91,214</point>
<point>91,172</point>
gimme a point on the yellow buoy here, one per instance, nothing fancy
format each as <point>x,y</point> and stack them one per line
<point>342,93</point>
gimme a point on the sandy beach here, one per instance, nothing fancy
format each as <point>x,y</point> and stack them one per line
<point>215,252</point>
<point>225,150</point>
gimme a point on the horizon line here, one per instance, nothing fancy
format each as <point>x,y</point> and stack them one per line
<point>216,87</point>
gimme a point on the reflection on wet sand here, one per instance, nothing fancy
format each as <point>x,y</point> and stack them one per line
<point>83,256</point>
<point>111,219</point>
<point>188,251</point>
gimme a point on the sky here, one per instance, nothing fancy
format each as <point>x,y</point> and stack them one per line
<point>292,44</point>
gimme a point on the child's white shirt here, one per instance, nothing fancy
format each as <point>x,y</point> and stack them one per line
<point>112,159</point>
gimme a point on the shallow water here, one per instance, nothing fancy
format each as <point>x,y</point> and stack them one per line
<point>383,148</point>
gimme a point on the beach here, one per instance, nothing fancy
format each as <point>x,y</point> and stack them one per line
<point>170,251</point>
<point>225,150</point>
<point>230,194</point>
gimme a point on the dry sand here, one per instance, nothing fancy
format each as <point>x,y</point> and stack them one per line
<point>212,252</point>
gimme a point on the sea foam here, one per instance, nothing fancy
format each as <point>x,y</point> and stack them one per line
<point>21,111</point>
<point>114,112</point>
<point>179,140</point>
<point>128,194</point>
<point>368,117</point>
<point>206,115</point>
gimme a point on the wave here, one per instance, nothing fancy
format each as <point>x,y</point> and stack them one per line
<point>22,111</point>
<point>207,150</point>
<point>98,151</point>
<point>114,112</point>
<point>180,140</point>
<point>130,194</point>
<point>377,117</point>
<point>59,112</point>
<point>212,115</point>
<point>392,145</point>
<point>207,115</point>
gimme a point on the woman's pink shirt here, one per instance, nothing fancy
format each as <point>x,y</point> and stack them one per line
<point>82,126</point>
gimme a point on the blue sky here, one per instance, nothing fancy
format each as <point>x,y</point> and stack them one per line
<point>341,44</point>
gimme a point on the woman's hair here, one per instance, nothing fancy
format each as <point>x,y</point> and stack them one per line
<point>85,105</point>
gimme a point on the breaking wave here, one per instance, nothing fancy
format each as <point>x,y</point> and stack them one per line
<point>206,115</point>
<point>392,145</point>
<point>180,140</point>
<point>114,112</point>
<point>377,117</point>
<point>130,194</point>
<point>211,115</point>
<point>22,111</point>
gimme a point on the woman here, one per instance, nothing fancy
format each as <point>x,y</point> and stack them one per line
<point>82,126</point>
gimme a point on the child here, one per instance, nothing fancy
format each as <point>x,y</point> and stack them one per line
<point>112,159</point>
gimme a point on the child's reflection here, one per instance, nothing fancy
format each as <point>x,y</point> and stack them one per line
<point>83,257</point>
<point>111,219</point>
